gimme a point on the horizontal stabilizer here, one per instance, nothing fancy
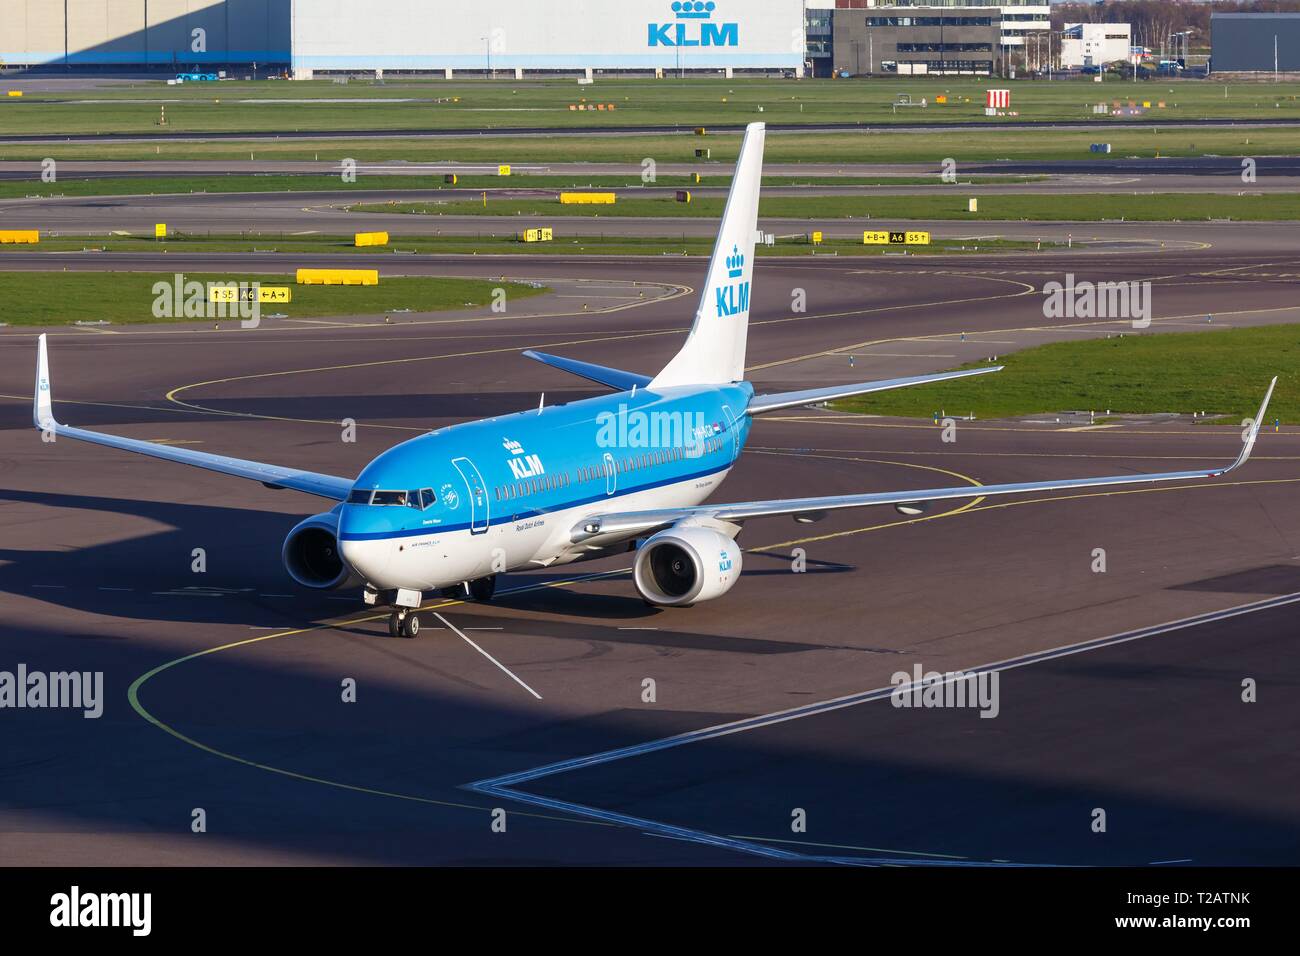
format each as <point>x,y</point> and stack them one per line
<point>613,377</point>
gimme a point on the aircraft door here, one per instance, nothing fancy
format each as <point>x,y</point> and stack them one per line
<point>479,513</point>
<point>611,474</point>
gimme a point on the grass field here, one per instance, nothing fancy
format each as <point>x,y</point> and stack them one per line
<point>1223,373</point>
<point>405,104</point>
<point>58,298</point>
<point>506,244</point>
<point>888,146</point>
<point>1087,207</point>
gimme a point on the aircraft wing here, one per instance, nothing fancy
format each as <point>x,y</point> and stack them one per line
<point>325,486</point>
<point>634,522</point>
<point>810,396</point>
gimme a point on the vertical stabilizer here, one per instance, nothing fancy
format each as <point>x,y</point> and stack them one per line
<point>714,352</point>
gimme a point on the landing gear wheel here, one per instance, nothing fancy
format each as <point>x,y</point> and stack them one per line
<point>411,626</point>
<point>483,588</point>
<point>396,621</point>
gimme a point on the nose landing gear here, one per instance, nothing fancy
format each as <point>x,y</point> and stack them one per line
<point>404,623</point>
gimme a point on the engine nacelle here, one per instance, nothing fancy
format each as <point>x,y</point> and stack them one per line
<point>311,554</point>
<point>685,564</point>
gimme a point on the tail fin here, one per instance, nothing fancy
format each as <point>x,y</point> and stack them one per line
<point>714,352</point>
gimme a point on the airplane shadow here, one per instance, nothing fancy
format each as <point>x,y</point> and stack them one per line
<point>151,574</point>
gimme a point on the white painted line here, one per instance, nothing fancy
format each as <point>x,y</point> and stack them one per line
<point>900,354</point>
<point>506,785</point>
<point>487,655</point>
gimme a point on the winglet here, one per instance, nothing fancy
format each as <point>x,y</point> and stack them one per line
<point>42,406</point>
<point>1258,420</point>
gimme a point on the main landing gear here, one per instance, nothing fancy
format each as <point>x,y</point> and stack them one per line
<point>483,588</point>
<point>480,589</point>
<point>404,623</point>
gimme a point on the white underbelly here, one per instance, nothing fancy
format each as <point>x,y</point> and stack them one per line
<point>442,560</point>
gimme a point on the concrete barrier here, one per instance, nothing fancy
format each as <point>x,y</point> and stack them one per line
<point>588,199</point>
<point>338,277</point>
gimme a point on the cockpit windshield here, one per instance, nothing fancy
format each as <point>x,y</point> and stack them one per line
<point>418,499</point>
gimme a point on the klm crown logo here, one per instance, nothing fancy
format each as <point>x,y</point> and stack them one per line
<point>735,263</point>
<point>694,11</point>
<point>679,34</point>
<point>512,446</point>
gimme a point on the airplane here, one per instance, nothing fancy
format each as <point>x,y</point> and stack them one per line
<point>448,511</point>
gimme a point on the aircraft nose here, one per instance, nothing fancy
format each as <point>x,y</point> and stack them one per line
<point>370,559</point>
<point>367,553</point>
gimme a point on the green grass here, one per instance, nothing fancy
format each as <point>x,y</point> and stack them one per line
<point>503,244</point>
<point>56,298</point>
<point>1223,373</point>
<point>893,146</point>
<point>1071,207</point>
<point>152,185</point>
<point>697,101</point>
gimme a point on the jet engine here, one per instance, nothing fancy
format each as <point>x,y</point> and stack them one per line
<point>686,563</point>
<point>311,554</point>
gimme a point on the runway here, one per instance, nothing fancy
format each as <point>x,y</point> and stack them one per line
<point>681,129</point>
<point>1181,172</point>
<point>223,688</point>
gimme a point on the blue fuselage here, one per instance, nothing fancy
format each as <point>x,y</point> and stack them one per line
<point>520,481</point>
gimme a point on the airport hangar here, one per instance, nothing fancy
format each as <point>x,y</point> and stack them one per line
<point>301,38</point>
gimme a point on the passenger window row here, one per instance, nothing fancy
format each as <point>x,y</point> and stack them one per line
<point>586,473</point>
<point>532,486</point>
<point>425,498</point>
